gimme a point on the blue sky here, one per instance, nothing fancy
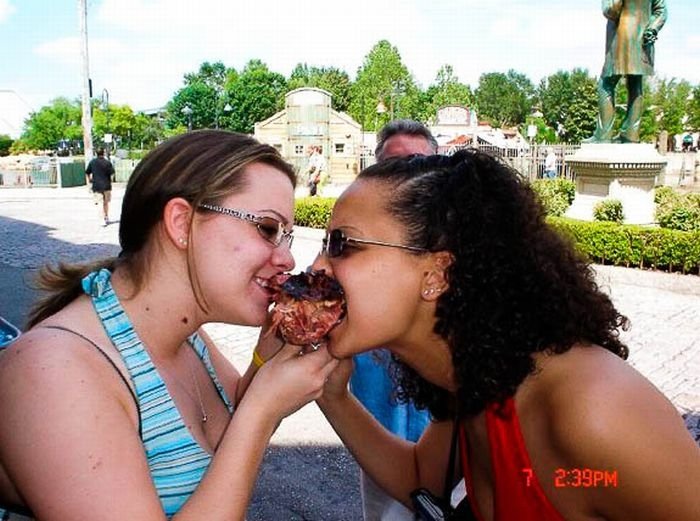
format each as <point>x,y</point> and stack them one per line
<point>140,49</point>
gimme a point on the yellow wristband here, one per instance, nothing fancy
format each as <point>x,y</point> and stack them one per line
<point>258,360</point>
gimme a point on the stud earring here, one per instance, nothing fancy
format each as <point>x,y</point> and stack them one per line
<point>182,241</point>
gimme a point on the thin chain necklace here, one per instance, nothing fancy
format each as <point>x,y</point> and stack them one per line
<point>199,393</point>
<point>198,399</point>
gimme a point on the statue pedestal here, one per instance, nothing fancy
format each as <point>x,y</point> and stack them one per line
<point>627,172</point>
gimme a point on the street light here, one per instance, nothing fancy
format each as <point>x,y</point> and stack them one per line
<point>187,111</point>
<point>381,109</point>
<point>227,108</point>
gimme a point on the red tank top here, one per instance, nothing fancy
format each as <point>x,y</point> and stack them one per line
<point>517,493</point>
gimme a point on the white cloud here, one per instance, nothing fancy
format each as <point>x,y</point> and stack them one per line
<point>6,9</point>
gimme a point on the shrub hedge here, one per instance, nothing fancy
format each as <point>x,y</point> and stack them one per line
<point>608,210</point>
<point>313,212</point>
<point>602,242</point>
<point>677,211</point>
<point>556,195</point>
<point>634,246</point>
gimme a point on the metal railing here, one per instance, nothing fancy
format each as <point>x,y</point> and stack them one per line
<point>529,162</point>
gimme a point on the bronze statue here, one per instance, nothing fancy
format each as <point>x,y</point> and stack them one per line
<point>633,26</point>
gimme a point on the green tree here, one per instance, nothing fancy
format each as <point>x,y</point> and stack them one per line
<point>212,74</point>
<point>61,119</point>
<point>569,103</point>
<point>447,90</point>
<point>384,78</point>
<point>202,100</point>
<point>694,109</point>
<point>5,144</point>
<point>253,95</point>
<point>332,79</point>
<point>667,106</point>
<point>505,100</point>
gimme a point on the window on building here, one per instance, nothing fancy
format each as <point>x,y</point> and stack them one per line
<point>340,148</point>
<point>298,150</point>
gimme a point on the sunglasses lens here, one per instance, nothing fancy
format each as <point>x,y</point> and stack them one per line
<point>336,243</point>
<point>271,230</point>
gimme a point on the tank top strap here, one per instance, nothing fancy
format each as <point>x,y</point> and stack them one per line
<point>200,347</point>
<point>97,285</point>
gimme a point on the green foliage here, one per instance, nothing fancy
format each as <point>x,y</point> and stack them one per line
<point>608,210</point>
<point>694,109</point>
<point>555,195</point>
<point>214,75</point>
<point>19,146</point>
<point>314,212</point>
<point>201,98</point>
<point>447,90</point>
<point>677,211</point>
<point>667,103</point>
<point>504,99</point>
<point>59,120</point>
<point>334,80</point>
<point>569,103</point>
<point>5,144</point>
<point>629,245</point>
<point>254,95</point>
<point>664,195</point>
<point>384,78</point>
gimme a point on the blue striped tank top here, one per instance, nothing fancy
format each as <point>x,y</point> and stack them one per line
<point>176,461</point>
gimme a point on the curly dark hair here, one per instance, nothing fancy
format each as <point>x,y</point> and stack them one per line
<point>516,286</point>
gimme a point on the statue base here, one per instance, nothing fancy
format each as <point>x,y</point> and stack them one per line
<point>627,172</point>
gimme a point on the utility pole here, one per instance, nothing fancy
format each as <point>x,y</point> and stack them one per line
<point>87,109</point>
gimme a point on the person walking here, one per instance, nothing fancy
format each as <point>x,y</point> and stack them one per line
<point>99,173</point>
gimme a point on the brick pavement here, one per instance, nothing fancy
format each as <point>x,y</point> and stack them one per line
<point>39,225</point>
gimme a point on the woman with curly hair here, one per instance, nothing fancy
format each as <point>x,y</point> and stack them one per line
<point>496,325</point>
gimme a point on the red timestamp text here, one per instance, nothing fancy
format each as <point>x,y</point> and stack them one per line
<point>585,478</point>
<point>578,478</point>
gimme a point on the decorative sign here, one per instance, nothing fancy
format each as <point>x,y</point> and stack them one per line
<point>453,115</point>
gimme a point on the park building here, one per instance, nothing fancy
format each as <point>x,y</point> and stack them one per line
<point>308,121</point>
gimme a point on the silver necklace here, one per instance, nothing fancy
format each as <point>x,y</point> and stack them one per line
<point>199,393</point>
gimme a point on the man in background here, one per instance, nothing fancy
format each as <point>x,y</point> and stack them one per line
<point>99,172</point>
<point>370,381</point>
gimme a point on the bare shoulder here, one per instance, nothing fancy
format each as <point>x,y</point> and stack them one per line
<point>79,437</point>
<point>601,394</point>
<point>603,414</point>
<point>47,366</point>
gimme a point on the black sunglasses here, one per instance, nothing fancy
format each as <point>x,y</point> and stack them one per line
<point>335,241</point>
<point>269,228</point>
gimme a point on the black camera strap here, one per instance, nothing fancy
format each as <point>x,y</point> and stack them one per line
<point>447,491</point>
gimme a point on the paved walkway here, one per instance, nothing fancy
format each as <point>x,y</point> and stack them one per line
<point>39,225</point>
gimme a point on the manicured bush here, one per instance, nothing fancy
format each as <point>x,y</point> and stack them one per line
<point>608,210</point>
<point>636,246</point>
<point>313,212</point>
<point>555,195</point>
<point>677,211</point>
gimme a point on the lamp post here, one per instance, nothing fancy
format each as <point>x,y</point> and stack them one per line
<point>187,111</point>
<point>227,108</point>
<point>381,109</point>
